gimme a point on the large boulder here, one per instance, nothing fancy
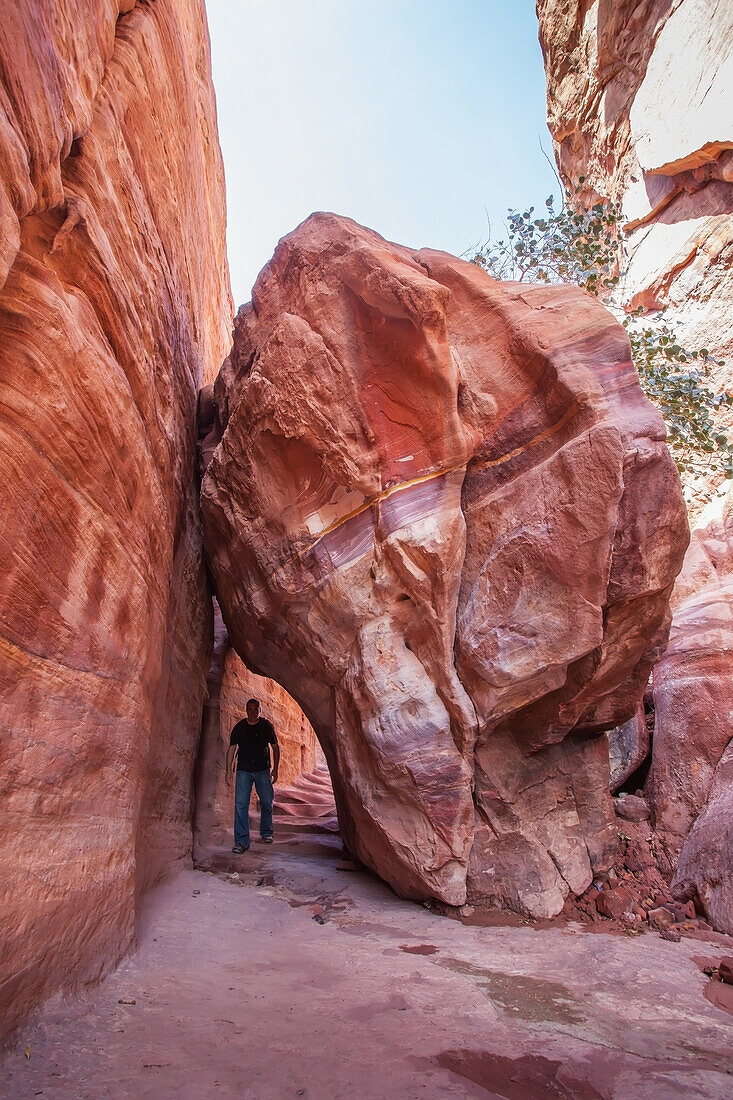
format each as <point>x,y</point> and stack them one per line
<point>114,310</point>
<point>442,514</point>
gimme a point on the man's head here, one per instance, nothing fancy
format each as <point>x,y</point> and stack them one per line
<point>253,709</point>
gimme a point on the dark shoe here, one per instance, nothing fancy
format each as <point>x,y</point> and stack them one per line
<point>239,849</point>
<point>267,840</point>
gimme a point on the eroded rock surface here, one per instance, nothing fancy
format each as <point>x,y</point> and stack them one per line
<point>114,310</point>
<point>691,776</point>
<point>705,867</point>
<point>639,100</point>
<point>441,513</point>
<point>693,682</point>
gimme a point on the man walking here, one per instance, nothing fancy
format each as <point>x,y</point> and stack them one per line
<point>250,744</point>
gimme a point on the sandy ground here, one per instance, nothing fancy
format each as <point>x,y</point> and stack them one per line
<point>297,979</point>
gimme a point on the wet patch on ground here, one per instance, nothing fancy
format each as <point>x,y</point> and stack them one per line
<point>584,1020</point>
<point>720,995</point>
<point>525,1078</point>
<point>535,1000</point>
<point>716,991</point>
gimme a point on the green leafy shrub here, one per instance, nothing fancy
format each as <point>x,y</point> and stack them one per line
<point>584,246</point>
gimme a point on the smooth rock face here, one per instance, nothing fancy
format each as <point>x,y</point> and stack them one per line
<point>230,685</point>
<point>691,778</point>
<point>705,866</point>
<point>440,512</point>
<point>639,100</point>
<point>114,308</point>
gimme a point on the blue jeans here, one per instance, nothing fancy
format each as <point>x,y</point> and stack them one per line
<point>243,792</point>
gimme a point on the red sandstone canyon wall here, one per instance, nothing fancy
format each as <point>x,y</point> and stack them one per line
<point>639,95</point>
<point>639,103</point>
<point>440,511</point>
<point>114,310</point>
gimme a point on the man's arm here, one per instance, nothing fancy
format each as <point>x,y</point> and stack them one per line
<point>275,760</point>
<point>230,764</point>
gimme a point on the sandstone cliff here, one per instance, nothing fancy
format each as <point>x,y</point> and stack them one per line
<point>440,512</point>
<point>639,101</point>
<point>639,97</point>
<point>114,309</point>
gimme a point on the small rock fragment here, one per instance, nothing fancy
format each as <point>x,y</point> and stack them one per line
<point>631,807</point>
<point>614,903</point>
<point>661,918</point>
<point>725,969</point>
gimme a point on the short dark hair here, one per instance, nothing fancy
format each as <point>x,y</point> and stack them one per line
<point>255,701</point>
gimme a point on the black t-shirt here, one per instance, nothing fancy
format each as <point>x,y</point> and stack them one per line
<point>254,744</point>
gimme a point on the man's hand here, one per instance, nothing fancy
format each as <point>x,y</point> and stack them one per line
<point>273,775</point>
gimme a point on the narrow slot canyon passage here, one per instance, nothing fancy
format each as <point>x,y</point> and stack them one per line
<point>304,810</point>
<point>290,969</point>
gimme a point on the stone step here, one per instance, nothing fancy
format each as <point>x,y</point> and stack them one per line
<point>304,810</point>
<point>293,798</point>
<point>293,828</point>
<point>313,790</point>
<point>304,807</point>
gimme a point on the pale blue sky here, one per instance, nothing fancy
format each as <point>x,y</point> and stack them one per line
<point>414,117</point>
